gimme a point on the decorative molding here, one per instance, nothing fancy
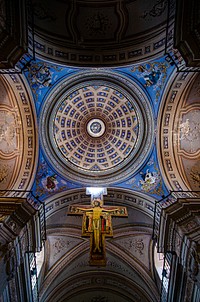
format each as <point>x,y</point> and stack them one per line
<point>110,34</point>
<point>19,146</point>
<point>120,196</point>
<point>170,135</point>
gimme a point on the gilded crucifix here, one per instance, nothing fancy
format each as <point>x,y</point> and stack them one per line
<point>97,224</point>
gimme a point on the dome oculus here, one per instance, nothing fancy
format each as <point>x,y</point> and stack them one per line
<point>95,127</point>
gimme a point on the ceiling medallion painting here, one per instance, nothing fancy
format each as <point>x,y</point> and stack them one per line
<point>96,129</point>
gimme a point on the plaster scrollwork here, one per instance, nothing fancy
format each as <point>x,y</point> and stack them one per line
<point>194,265</point>
<point>4,170</point>
<point>59,245</point>
<point>2,217</point>
<point>136,245</point>
<point>97,24</point>
<point>99,299</point>
<point>195,175</point>
<point>188,291</point>
<point>189,132</point>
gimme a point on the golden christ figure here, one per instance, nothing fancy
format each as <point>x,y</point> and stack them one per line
<point>97,223</point>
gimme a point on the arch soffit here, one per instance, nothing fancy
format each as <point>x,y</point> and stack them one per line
<point>178,129</point>
<point>19,140</point>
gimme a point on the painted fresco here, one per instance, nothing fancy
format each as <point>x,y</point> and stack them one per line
<point>151,76</point>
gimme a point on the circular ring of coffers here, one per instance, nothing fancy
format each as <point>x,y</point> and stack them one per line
<point>96,128</point>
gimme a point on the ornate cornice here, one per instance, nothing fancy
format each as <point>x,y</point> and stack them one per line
<point>115,195</point>
<point>100,33</point>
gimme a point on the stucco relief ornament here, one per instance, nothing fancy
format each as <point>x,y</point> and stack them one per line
<point>193,264</point>
<point>184,129</point>
<point>3,173</point>
<point>137,245</point>
<point>8,131</point>
<point>2,217</point>
<point>59,245</point>
<point>99,299</point>
<point>156,11</point>
<point>97,24</point>
<point>195,176</point>
<point>10,261</point>
<point>189,131</point>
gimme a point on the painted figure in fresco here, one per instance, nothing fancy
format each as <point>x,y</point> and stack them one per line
<point>8,129</point>
<point>51,182</point>
<point>149,177</point>
<point>150,180</point>
<point>152,78</point>
<point>151,74</point>
<point>43,76</point>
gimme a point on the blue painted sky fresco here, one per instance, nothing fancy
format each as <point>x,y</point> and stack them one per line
<point>150,76</point>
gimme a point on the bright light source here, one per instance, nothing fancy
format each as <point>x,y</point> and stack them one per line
<point>96,192</point>
<point>39,260</point>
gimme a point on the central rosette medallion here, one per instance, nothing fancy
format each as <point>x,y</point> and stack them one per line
<point>95,127</point>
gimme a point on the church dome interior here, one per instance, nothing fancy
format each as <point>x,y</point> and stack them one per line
<point>99,151</point>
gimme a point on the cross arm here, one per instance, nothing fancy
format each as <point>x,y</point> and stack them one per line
<point>116,211</point>
<point>78,210</point>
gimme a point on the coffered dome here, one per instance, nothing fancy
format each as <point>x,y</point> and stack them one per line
<point>96,128</point>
